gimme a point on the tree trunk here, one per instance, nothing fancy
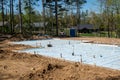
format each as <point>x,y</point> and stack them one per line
<point>29,22</point>
<point>20,16</point>
<point>117,12</point>
<point>56,17</point>
<point>112,24</point>
<point>78,13</point>
<point>2,28</point>
<point>108,21</point>
<point>11,16</point>
<point>108,28</point>
<point>44,16</point>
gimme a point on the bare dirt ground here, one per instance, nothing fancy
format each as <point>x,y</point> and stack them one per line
<point>23,66</point>
<point>99,40</point>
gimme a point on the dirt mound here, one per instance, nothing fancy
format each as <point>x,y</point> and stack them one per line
<point>113,78</point>
<point>19,37</point>
<point>4,37</point>
<point>69,72</point>
<point>41,74</point>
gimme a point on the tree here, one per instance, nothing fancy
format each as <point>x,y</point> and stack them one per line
<point>12,16</point>
<point>56,16</point>
<point>60,6</point>
<point>106,14</point>
<point>29,10</point>
<point>20,16</point>
<point>77,4</point>
<point>2,5</point>
<point>3,13</point>
<point>43,5</point>
<point>54,5</point>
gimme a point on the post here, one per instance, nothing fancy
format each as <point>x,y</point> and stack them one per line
<point>81,58</point>
<point>73,51</point>
<point>61,55</point>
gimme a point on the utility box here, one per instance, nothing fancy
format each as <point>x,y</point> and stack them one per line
<point>72,32</point>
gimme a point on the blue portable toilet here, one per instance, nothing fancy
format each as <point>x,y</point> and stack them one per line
<point>72,32</point>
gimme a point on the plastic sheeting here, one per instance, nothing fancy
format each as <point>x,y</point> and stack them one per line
<point>78,51</point>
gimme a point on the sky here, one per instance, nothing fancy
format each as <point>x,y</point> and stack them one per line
<point>91,5</point>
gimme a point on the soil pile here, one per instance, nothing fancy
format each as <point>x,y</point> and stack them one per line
<point>20,37</point>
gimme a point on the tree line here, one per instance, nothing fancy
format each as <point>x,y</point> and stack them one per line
<point>59,14</point>
<point>108,19</point>
<point>23,12</point>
